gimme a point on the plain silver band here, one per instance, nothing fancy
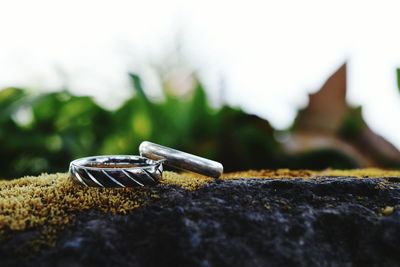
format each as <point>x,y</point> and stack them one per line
<point>181,160</point>
<point>91,171</point>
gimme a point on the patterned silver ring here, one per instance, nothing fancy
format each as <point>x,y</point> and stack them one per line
<point>116,171</point>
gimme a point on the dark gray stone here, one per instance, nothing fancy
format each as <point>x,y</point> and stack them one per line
<point>259,222</point>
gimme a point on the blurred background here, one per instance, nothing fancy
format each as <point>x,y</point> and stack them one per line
<point>253,84</point>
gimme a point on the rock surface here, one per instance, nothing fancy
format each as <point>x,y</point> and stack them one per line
<point>325,221</point>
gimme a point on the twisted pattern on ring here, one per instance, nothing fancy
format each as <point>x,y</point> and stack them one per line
<point>117,177</point>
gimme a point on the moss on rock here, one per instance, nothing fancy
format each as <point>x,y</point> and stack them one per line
<point>53,199</point>
<point>269,218</point>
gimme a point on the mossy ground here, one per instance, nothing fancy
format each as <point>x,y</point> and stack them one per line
<point>278,218</point>
<point>53,199</point>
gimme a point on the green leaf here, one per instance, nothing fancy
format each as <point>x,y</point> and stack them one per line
<point>137,85</point>
<point>10,100</point>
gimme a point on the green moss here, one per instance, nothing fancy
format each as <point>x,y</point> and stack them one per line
<point>53,199</point>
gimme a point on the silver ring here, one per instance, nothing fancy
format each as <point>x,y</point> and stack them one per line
<point>116,171</point>
<point>128,171</point>
<point>181,160</point>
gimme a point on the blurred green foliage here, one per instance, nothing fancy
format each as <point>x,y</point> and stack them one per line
<point>398,79</point>
<point>43,133</point>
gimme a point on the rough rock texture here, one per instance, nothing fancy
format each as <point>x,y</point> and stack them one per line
<point>325,221</point>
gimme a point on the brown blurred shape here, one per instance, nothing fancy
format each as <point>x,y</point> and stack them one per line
<point>329,122</point>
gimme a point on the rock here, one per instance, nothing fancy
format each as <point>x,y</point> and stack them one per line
<point>315,221</point>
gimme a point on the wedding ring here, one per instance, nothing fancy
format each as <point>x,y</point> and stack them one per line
<point>181,160</point>
<point>116,171</point>
<point>144,170</point>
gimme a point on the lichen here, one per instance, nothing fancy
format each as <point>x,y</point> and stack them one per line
<point>362,173</point>
<point>388,210</point>
<point>188,181</point>
<point>274,174</point>
<point>53,199</point>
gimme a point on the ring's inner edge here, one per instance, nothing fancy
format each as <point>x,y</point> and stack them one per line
<point>115,162</point>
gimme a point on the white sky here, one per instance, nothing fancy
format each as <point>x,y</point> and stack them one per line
<point>270,54</point>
